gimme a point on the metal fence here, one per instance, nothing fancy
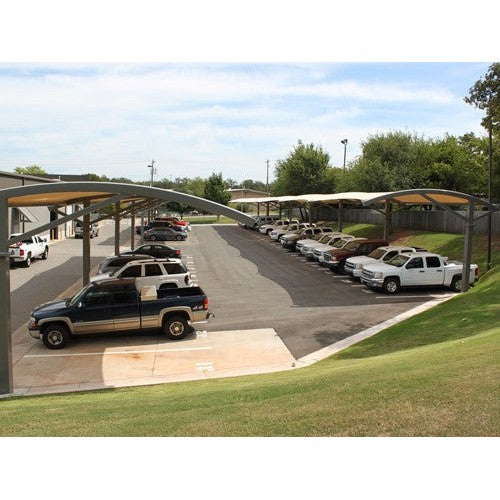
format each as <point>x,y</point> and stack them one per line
<point>426,220</point>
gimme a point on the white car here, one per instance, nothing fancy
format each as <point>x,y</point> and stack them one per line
<point>354,265</point>
<point>267,228</point>
<point>160,273</point>
<point>416,269</point>
<point>336,241</point>
<point>320,238</point>
<point>276,234</point>
<point>24,251</point>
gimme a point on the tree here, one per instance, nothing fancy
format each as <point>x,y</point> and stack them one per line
<point>30,170</point>
<point>485,94</point>
<point>215,189</point>
<point>305,170</point>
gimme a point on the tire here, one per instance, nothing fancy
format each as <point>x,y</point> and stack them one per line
<point>178,238</point>
<point>55,336</point>
<point>391,286</point>
<point>153,238</point>
<point>175,327</point>
<point>45,253</point>
<point>341,267</point>
<point>27,262</point>
<point>456,284</point>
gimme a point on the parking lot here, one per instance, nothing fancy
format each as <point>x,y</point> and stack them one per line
<point>271,308</point>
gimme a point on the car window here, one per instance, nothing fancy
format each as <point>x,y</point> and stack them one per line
<point>153,270</point>
<point>174,268</point>
<point>378,253</point>
<point>433,262</point>
<point>352,245</point>
<point>124,296</point>
<point>145,248</point>
<point>416,263</point>
<point>389,255</point>
<point>97,297</point>
<point>131,272</point>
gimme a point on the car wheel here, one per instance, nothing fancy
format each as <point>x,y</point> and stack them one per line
<point>55,336</point>
<point>391,285</point>
<point>176,327</point>
<point>178,238</point>
<point>153,238</point>
<point>45,254</point>
<point>456,284</point>
<point>27,262</point>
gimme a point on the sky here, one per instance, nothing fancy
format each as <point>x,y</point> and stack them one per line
<point>199,118</point>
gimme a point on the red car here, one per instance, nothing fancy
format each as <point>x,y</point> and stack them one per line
<point>175,220</point>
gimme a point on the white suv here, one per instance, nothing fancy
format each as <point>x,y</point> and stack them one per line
<point>160,273</point>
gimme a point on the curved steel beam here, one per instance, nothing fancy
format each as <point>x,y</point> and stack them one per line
<point>132,190</point>
<point>429,192</point>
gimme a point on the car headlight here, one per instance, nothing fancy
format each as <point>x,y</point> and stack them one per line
<point>33,322</point>
<point>379,275</point>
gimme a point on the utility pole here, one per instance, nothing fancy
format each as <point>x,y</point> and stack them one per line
<point>344,142</point>
<point>152,167</point>
<point>267,177</point>
<point>490,174</point>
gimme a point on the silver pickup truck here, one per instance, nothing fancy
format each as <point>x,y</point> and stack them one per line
<point>420,269</point>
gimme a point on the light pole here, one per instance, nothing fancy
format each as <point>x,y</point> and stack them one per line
<point>267,186</point>
<point>344,142</point>
<point>152,167</point>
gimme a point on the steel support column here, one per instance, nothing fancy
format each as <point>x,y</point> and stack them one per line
<point>340,217</point>
<point>6,379</point>
<point>86,247</point>
<point>267,208</point>
<point>258,208</point>
<point>387,221</point>
<point>132,228</point>
<point>117,228</point>
<point>469,228</point>
<point>142,227</point>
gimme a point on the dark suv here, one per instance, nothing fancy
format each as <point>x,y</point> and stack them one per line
<point>335,259</point>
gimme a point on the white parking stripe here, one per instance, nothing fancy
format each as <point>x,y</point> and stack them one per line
<point>346,281</point>
<point>357,285</point>
<point>115,353</point>
<point>412,296</point>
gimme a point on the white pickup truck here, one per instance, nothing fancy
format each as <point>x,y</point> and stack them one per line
<point>36,247</point>
<point>416,269</point>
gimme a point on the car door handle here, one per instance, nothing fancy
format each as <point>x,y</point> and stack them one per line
<point>439,270</point>
<point>421,271</point>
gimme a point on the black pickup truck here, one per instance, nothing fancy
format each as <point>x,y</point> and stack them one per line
<point>116,305</point>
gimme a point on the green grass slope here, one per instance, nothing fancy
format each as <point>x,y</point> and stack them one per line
<point>433,375</point>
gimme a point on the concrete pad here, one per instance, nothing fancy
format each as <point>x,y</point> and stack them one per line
<point>99,363</point>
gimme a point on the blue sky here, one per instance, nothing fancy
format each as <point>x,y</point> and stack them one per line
<point>194,119</point>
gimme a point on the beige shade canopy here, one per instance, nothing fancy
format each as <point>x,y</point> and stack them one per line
<point>409,196</point>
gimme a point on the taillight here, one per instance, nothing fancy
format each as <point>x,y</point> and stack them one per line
<point>205,303</point>
<point>477,271</point>
<point>178,252</point>
<point>21,252</point>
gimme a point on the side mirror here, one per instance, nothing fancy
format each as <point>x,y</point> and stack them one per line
<point>79,305</point>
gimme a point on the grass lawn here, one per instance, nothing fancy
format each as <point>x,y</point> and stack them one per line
<point>209,219</point>
<point>436,374</point>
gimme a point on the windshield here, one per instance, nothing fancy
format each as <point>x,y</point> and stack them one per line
<point>325,238</point>
<point>76,298</point>
<point>352,245</point>
<point>398,260</point>
<point>377,253</point>
<point>338,243</point>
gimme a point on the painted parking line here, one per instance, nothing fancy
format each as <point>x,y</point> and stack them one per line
<point>205,367</point>
<point>411,296</point>
<point>357,285</point>
<point>367,291</point>
<point>116,353</point>
<point>346,281</point>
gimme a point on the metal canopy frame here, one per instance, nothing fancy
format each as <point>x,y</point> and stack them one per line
<point>427,194</point>
<point>93,196</point>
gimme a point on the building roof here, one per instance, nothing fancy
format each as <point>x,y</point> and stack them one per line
<point>15,175</point>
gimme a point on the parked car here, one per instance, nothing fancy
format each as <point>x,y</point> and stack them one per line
<point>276,234</point>
<point>306,247</point>
<point>156,250</point>
<point>335,260</point>
<point>155,224</point>
<point>260,220</point>
<point>267,228</point>
<point>289,241</point>
<point>326,254</point>
<point>323,235</point>
<point>93,230</point>
<point>119,305</point>
<point>420,269</point>
<point>164,234</point>
<point>23,252</point>
<point>115,262</point>
<point>160,273</point>
<point>338,240</point>
<point>175,220</point>
<point>354,265</point>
